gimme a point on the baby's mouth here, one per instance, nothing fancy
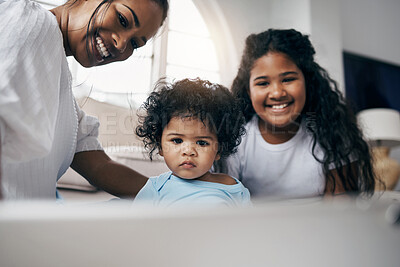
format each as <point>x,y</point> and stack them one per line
<point>188,164</point>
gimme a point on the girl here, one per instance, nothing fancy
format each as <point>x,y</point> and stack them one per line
<point>42,129</point>
<point>191,123</point>
<point>302,139</point>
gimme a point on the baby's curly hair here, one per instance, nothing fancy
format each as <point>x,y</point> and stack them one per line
<point>211,103</point>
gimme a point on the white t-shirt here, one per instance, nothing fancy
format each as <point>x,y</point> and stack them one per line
<point>41,125</point>
<point>281,170</point>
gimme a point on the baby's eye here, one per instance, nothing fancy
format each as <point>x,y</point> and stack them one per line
<point>122,20</point>
<point>177,141</point>
<point>202,143</point>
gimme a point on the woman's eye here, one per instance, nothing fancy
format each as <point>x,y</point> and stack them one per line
<point>177,141</point>
<point>202,143</point>
<point>122,20</point>
<point>134,44</point>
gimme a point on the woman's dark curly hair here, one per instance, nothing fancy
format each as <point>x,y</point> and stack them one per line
<point>328,117</point>
<point>211,103</point>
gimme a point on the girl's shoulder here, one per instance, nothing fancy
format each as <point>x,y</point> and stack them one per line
<point>252,124</point>
<point>222,178</point>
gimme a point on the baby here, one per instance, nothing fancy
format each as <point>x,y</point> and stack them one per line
<point>191,123</point>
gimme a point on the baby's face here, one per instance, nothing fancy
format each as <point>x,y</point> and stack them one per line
<point>188,147</point>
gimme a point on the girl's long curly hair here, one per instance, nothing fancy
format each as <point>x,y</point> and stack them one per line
<point>328,117</point>
<point>211,103</point>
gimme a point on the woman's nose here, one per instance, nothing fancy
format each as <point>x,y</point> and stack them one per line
<point>121,42</point>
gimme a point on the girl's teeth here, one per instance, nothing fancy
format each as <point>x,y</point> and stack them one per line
<point>279,106</point>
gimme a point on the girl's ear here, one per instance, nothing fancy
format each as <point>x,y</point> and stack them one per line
<point>217,157</point>
<point>160,152</point>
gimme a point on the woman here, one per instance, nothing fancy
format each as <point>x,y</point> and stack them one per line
<point>42,129</point>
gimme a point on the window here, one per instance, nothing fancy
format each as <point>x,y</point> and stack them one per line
<point>180,50</point>
<point>190,49</point>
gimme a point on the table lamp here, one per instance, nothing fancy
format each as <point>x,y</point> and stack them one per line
<point>381,128</point>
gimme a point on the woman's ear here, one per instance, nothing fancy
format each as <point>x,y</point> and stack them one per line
<point>160,152</point>
<point>217,157</point>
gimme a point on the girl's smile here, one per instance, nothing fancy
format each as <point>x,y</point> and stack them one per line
<point>278,93</point>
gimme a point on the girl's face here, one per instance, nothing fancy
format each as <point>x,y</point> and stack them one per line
<point>188,147</point>
<point>117,30</point>
<point>277,90</point>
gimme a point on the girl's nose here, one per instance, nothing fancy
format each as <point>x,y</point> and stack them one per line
<point>277,91</point>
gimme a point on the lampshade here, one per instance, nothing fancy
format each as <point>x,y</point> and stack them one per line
<point>380,126</point>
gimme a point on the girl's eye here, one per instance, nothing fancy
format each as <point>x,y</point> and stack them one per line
<point>262,83</point>
<point>288,80</point>
<point>122,20</point>
<point>202,143</point>
<point>177,141</point>
<point>134,44</point>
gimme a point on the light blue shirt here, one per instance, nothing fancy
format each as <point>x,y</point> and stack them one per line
<point>168,190</point>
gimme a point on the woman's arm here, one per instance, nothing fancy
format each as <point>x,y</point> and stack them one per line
<point>107,174</point>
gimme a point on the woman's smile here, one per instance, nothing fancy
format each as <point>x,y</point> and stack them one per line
<point>101,52</point>
<point>99,32</point>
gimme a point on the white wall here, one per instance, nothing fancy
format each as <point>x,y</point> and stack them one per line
<point>326,36</point>
<point>319,18</point>
<point>251,16</point>
<point>365,27</point>
<point>371,28</point>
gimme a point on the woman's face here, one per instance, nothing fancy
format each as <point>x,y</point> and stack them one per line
<point>277,90</point>
<point>115,31</point>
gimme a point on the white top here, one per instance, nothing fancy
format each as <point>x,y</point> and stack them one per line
<point>41,125</point>
<point>282,170</point>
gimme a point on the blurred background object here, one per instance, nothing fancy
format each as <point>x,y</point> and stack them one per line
<point>381,127</point>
